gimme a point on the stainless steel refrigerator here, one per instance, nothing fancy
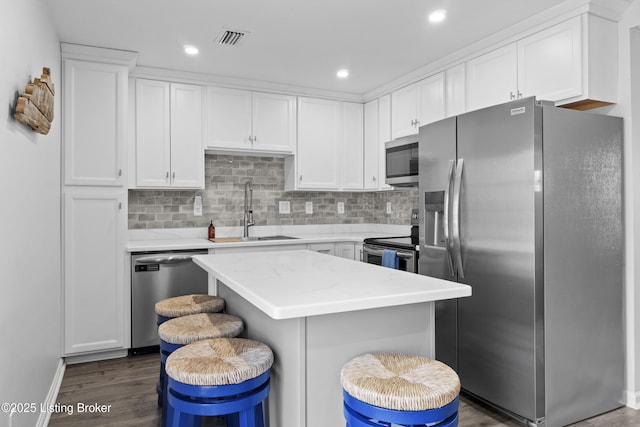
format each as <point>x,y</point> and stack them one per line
<point>523,202</point>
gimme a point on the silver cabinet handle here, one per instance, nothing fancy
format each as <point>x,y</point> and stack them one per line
<point>167,175</point>
<point>512,96</point>
<point>300,179</point>
<point>455,218</point>
<point>373,178</point>
<point>445,219</point>
<point>119,172</point>
<point>174,176</point>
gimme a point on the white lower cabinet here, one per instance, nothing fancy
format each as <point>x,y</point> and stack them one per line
<point>345,250</point>
<point>94,276</point>
<point>323,248</point>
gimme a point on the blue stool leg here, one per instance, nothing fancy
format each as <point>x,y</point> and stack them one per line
<point>233,420</point>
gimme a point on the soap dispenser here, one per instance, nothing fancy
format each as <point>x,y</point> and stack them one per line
<point>212,230</point>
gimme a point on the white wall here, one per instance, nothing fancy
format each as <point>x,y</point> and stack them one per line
<point>628,106</point>
<point>30,283</point>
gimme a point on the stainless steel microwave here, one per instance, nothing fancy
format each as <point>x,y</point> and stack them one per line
<point>401,158</point>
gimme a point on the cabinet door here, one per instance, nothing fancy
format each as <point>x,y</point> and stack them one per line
<point>431,105</point>
<point>353,146</point>
<point>318,143</point>
<point>371,146</point>
<point>492,78</point>
<point>153,151</point>
<point>384,135</point>
<point>345,250</point>
<point>229,118</point>
<point>94,114</point>
<point>404,108</point>
<point>274,122</point>
<point>323,248</point>
<point>187,153</point>
<point>550,62</point>
<point>456,92</point>
<point>94,251</point>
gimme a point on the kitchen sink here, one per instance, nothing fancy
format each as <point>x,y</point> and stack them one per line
<point>276,237</point>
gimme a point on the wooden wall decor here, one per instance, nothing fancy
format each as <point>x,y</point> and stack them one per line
<point>35,106</point>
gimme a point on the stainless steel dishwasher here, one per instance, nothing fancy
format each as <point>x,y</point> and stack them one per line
<point>154,277</point>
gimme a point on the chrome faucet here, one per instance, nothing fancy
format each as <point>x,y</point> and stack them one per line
<point>248,208</point>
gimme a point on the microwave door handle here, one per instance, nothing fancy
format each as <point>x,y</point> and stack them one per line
<point>445,225</point>
<point>455,218</point>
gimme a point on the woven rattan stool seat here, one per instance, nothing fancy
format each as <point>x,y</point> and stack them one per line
<point>188,329</point>
<point>189,304</point>
<point>400,382</point>
<point>221,361</point>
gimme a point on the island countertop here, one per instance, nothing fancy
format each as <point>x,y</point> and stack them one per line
<point>302,283</point>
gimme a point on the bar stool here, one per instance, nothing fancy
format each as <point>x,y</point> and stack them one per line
<point>180,331</point>
<point>185,305</point>
<point>224,376</point>
<point>390,388</point>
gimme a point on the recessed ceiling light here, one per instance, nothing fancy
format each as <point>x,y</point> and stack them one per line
<point>190,50</point>
<point>343,74</point>
<point>437,15</point>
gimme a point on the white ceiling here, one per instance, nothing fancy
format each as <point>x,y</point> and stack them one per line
<point>294,42</point>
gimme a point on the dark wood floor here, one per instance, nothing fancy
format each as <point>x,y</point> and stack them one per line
<point>128,386</point>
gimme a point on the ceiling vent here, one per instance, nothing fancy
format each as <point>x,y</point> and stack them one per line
<point>229,37</point>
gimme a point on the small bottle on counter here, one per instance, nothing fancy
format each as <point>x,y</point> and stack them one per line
<point>212,230</point>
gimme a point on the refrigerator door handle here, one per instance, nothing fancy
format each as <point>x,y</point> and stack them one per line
<point>445,222</point>
<point>455,218</point>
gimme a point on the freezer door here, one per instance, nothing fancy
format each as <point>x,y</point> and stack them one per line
<point>497,334</point>
<point>437,154</point>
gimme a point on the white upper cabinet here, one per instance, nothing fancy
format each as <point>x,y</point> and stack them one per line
<point>187,136</point>
<point>318,158</point>
<point>492,78</point>
<point>94,113</point>
<point>456,90</point>
<point>241,120</point>
<point>377,131</point>
<point>371,146</point>
<point>274,122</point>
<point>169,135</point>
<point>417,105</point>
<point>353,146</point>
<point>550,62</point>
<point>573,63</point>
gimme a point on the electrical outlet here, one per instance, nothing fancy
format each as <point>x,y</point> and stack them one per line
<point>340,208</point>
<point>197,206</point>
<point>284,207</point>
<point>388,208</point>
<point>308,208</point>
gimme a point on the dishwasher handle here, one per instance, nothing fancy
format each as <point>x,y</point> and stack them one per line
<point>171,259</point>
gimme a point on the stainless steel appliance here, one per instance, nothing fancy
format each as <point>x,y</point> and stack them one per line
<point>156,276</point>
<point>407,254</point>
<point>523,202</point>
<point>401,156</point>
<point>406,247</point>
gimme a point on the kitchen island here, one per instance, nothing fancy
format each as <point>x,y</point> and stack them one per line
<point>316,312</point>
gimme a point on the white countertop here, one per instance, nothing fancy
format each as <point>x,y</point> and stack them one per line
<point>187,239</point>
<point>291,284</point>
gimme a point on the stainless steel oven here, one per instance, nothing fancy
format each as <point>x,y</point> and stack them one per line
<point>406,251</point>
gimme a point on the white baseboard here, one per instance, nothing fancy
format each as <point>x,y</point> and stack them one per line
<point>52,395</point>
<point>632,399</point>
<point>93,357</point>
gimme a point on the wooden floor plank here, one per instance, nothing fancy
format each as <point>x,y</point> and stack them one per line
<point>129,386</point>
